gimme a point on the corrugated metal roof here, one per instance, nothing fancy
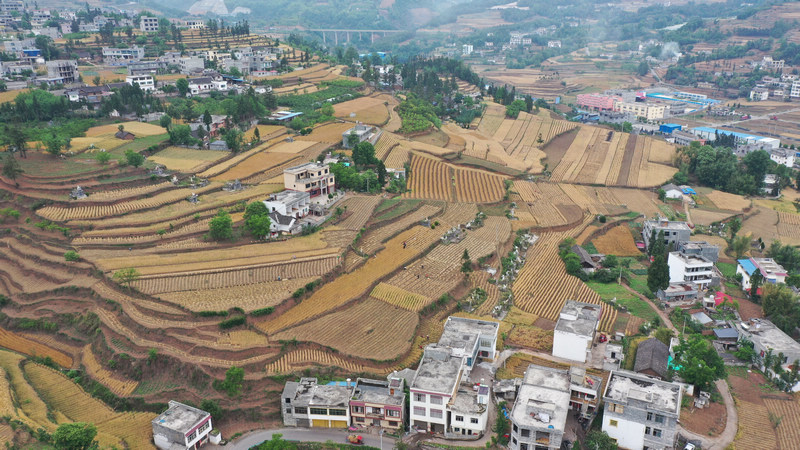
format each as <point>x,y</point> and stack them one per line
<point>747,265</point>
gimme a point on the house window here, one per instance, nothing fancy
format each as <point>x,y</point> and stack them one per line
<point>612,423</point>
<point>657,432</point>
<point>523,446</point>
<point>300,410</point>
<point>419,397</point>
<point>647,430</point>
<point>515,428</point>
<point>359,419</point>
<point>288,410</point>
<point>514,440</point>
<point>320,411</point>
<point>358,409</point>
<point>394,413</point>
<point>191,437</point>
<point>473,420</point>
<point>436,399</point>
<point>288,400</point>
<point>338,412</point>
<point>660,418</point>
<point>375,411</point>
<point>419,411</point>
<point>393,424</point>
<point>459,418</point>
<point>525,432</point>
<point>436,413</point>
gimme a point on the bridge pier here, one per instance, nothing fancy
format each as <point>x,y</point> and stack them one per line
<point>336,36</point>
<point>324,41</point>
<point>348,37</point>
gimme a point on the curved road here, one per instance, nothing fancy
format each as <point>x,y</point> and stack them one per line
<point>307,435</point>
<point>731,424</point>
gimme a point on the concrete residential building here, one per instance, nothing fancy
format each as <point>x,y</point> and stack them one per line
<point>771,271</point>
<point>145,82</point>
<point>783,156</point>
<point>442,400</point>
<point>66,70</point>
<point>575,330</point>
<point>378,403</point>
<point>674,231</point>
<point>678,292</point>
<point>362,133</point>
<point>672,191</point>
<point>309,404</point>
<point>316,179</point>
<point>645,110</point>
<point>690,268</point>
<point>585,391</point>
<point>117,55</point>
<point>181,426</point>
<point>289,203</point>
<point>641,412</point>
<point>148,24</point>
<point>700,248</point>
<point>539,415</point>
<point>765,336</point>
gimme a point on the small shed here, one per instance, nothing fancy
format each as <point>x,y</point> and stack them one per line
<point>124,135</point>
<point>652,358</point>
<point>672,191</point>
<point>218,145</point>
<point>726,334</point>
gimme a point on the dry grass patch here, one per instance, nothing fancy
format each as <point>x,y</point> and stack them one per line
<point>730,202</point>
<point>617,241</point>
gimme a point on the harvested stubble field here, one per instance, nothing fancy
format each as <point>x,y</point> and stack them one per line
<point>517,364</point>
<point>28,407</point>
<point>359,210</point>
<point>478,186</point>
<point>186,159</point>
<point>617,241</point>
<point>21,344</point>
<point>329,133</point>
<point>787,432</point>
<point>94,369</point>
<point>64,396</point>
<point>121,194</point>
<point>789,227</point>
<point>260,162</point>
<point>755,428</point>
<point>368,110</point>
<point>137,128</point>
<point>355,284</point>
<point>400,297</point>
<point>374,330</point>
<point>531,337</point>
<point>63,214</point>
<point>762,222</point>
<point>93,144</point>
<point>705,217</point>
<point>375,238</point>
<point>246,296</point>
<point>543,284</point>
<point>638,200</point>
<point>727,201</point>
<point>397,157</point>
<point>297,360</point>
<point>430,178</point>
<point>598,200</point>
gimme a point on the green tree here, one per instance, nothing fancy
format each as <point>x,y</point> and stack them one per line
<point>642,69</point>
<point>181,135</point>
<point>212,407</point>
<point>698,362</point>
<point>781,306</point>
<point>103,157</point>
<point>599,440</point>
<point>54,144</point>
<point>514,108</point>
<point>756,280</point>
<point>75,436</point>
<point>221,226</point>
<point>207,119</point>
<point>256,219</point>
<point>233,139</point>
<point>757,164</point>
<point>72,256</point>
<point>627,127</point>
<point>183,86</point>
<point>126,276</point>
<point>165,121</point>
<point>734,225</point>
<point>11,168</point>
<point>658,273</point>
<point>740,245</point>
<point>133,158</point>
<point>96,80</point>
<point>277,443</point>
<point>234,378</point>
<point>664,335</point>
<point>364,154</point>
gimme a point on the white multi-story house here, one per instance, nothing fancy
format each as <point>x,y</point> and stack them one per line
<point>641,412</point>
<point>765,336</point>
<point>771,271</point>
<point>694,268</point>
<point>181,426</point>
<point>539,415</point>
<point>145,82</point>
<point>289,203</point>
<point>575,330</point>
<point>63,69</point>
<point>442,399</point>
<point>116,55</point>
<point>783,156</point>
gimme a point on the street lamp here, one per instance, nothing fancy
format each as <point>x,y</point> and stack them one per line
<point>381,434</point>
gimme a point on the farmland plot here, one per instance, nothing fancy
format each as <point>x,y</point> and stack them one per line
<point>329,133</point>
<point>400,297</point>
<point>478,186</point>
<point>368,110</point>
<point>727,201</point>
<point>122,388</point>
<point>257,163</point>
<point>788,226</point>
<point>246,296</point>
<point>137,128</point>
<point>297,360</point>
<point>430,178</point>
<point>186,159</point>
<point>617,241</point>
<point>29,347</point>
<point>30,407</point>
<point>373,329</point>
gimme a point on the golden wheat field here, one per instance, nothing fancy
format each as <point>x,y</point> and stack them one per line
<point>137,128</point>
<point>186,159</point>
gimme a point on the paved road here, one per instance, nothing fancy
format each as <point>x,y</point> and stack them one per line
<point>306,435</point>
<point>731,424</point>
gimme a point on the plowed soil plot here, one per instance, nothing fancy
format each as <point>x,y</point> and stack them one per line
<point>556,149</point>
<point>627,159</point>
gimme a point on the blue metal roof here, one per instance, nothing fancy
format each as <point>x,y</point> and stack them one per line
<point>748,266</point>
<point>689,191</point>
